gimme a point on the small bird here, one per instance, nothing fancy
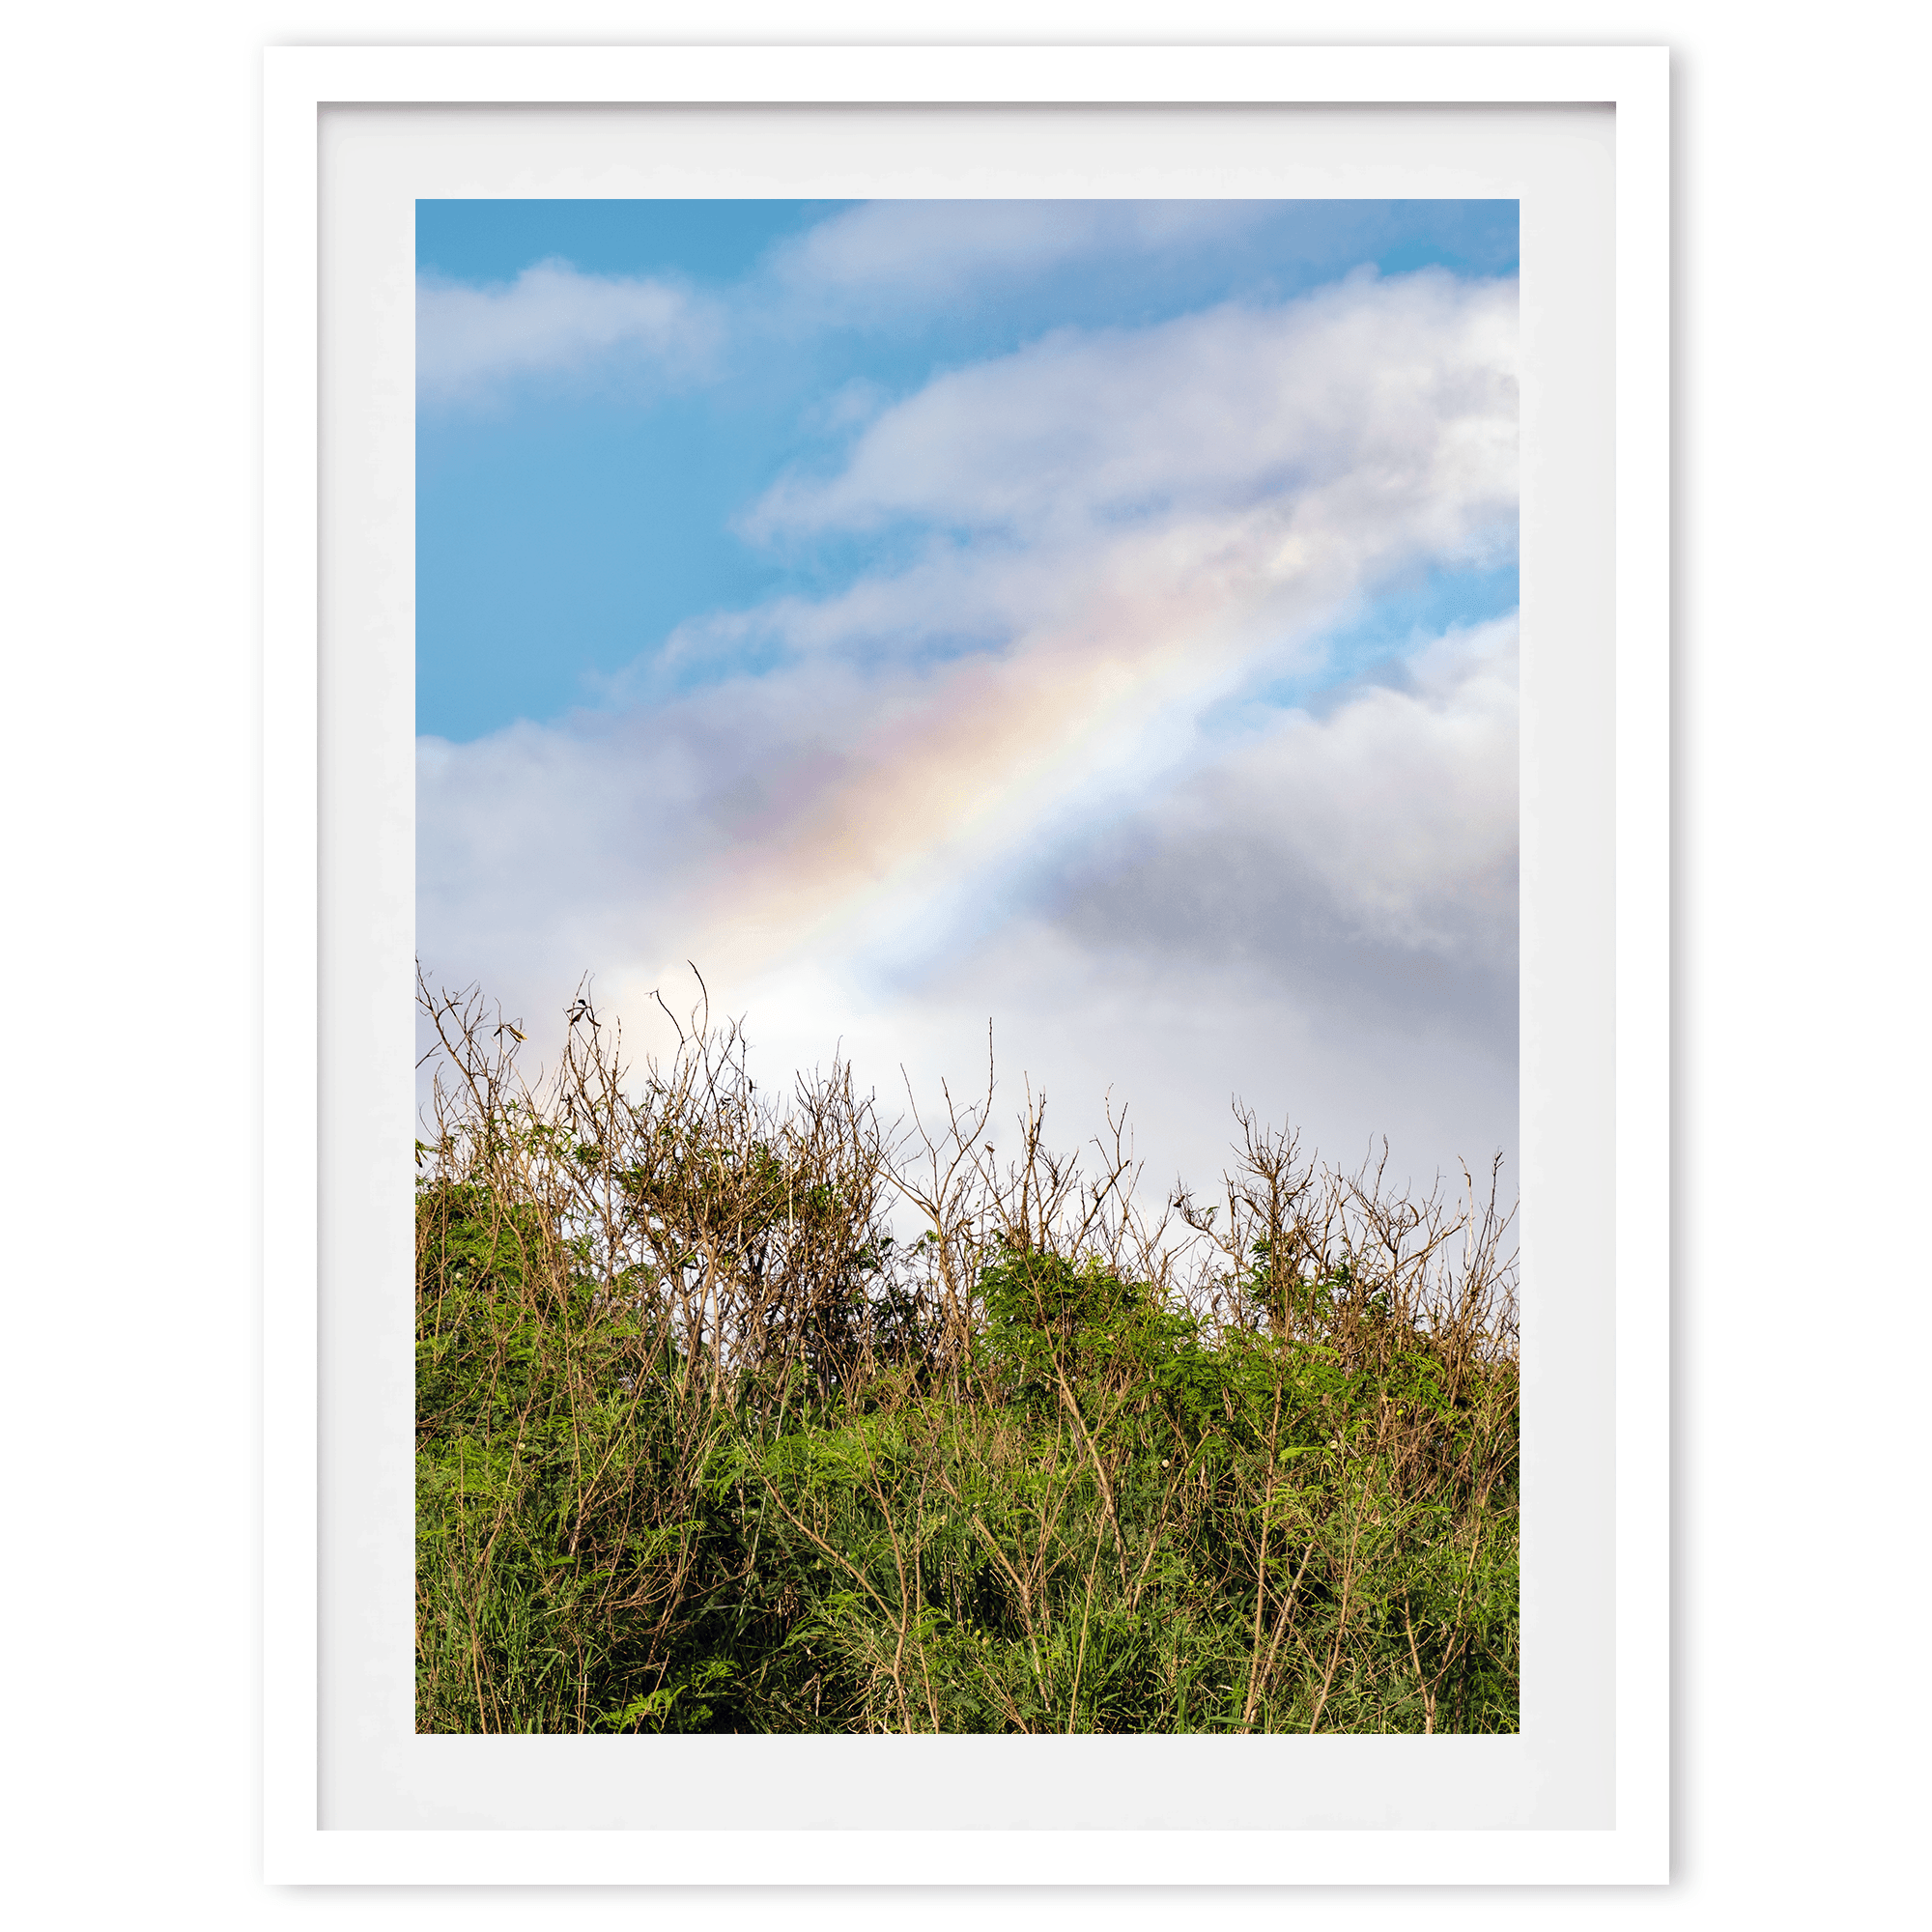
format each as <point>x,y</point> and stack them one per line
<point>507,1028</point>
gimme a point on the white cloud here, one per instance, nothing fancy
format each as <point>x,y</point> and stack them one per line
<point>1400,394</point>
<point>888,256</point>
<point>1321,919</point>
<point>992,779</point>
<point>552,318</point>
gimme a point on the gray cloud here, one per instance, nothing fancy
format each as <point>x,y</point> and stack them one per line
<point>1364,864</point>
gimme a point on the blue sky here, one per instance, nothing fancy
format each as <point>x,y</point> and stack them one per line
<point>1098,617</point>
<point>569,522</point>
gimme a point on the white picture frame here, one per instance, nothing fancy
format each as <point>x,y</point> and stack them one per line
<point>316,804</point>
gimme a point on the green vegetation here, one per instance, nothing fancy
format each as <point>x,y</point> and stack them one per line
<point>701,1446</point>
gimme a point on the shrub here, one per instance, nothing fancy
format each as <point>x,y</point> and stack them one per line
<point>703,1445</point>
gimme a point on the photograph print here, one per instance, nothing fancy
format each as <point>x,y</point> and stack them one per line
<point>967,948</point>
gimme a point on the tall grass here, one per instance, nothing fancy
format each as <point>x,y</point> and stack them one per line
<point>702,1445</point>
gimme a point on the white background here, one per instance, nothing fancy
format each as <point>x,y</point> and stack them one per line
<point>375,1773</point>
<point>130,1000</point>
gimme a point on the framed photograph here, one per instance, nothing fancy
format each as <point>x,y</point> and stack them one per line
<point>819,601</point>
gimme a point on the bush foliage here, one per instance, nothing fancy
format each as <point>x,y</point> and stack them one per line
<point>703,1444</point>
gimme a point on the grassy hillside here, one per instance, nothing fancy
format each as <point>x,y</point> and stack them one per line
<point>701,1446</point>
